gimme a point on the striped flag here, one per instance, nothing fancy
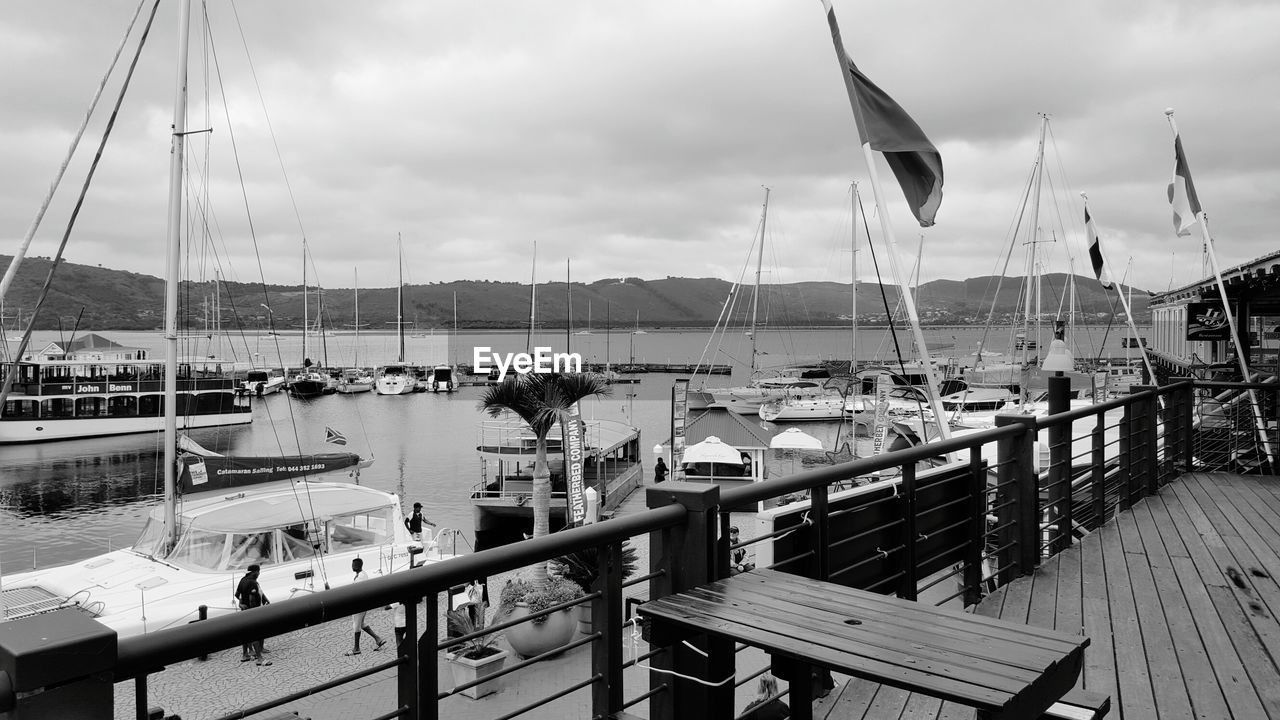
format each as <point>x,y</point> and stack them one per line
<point>887,128</point>
<point>333,436</point>
<point>1095,249</point>
<point>1182,193</point>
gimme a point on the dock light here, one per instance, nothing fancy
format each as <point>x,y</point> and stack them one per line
<point>1059,358</point>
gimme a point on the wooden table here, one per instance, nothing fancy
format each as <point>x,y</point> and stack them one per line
<point>1004,669</point>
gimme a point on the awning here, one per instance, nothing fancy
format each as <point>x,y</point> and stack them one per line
<point>794,439</point>
<point>712,450</point>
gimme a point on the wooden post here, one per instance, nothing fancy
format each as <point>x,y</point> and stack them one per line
<point>977,528</point>
<point>1098,472</point>
<point>1059,436</point>
<point>407,695</point>
<point>1016,466</point>
<point>684,558</point>
<point>607,619</point>
<point>821,532</point>
<point>1150,441</point>
<point>428,679</point>
<point>1126,427</point>
<point>910,580</point>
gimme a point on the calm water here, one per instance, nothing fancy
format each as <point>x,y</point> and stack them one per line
<point>68,500</point>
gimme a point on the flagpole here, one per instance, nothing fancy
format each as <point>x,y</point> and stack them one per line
<point>890,240</point>
<point>1203,221</point>
<point>1128,313</point>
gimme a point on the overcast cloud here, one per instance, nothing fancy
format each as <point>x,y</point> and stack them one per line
<point>635,137</point>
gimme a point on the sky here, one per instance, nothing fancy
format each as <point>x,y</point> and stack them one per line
<point>635,139</point>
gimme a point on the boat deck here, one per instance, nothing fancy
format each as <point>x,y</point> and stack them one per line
<point>1179,599</point>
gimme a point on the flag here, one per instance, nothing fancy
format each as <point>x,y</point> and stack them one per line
<point>887,128</point>
<point>1182,193</point>
<point>1095,249</point>
<point>335,437</point>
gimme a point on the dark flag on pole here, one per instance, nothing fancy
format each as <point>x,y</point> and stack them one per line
<point>888,129</point>
<point>335,437</point>
<point>1182,193</point>
<point>1095,249</point>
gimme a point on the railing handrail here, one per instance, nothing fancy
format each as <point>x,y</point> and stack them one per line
<point>142,654</point>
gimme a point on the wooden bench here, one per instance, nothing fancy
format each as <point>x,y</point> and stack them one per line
<point>1002,669</point>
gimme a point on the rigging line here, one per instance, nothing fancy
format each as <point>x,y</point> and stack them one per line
<point>267,117</point>
<point>1004,269</point>
<point>75,213</point>
<point>897,347</point>
<point>12,270</point>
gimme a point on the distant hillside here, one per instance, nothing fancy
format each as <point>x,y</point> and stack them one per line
<point>97,298</point>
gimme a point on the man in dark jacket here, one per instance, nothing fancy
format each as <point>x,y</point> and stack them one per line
<point>249,595</point>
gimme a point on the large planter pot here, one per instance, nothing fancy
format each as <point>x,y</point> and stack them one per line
<point>466,670</point>
<point>535,638</point>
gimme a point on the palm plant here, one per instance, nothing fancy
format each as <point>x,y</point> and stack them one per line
<point>541,400</point>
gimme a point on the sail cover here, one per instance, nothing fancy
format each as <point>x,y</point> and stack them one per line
<point>202,474</point>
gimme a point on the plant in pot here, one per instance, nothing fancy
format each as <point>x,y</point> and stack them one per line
<point>522,597</point>
<point>475,658</point>
<point>583,568</point>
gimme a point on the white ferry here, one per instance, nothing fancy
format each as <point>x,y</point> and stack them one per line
<point>102,388</point>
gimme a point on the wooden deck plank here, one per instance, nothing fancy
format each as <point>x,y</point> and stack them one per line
<point>1198,682</point>
<point>1167,682</point>
<point>888,703</point>
<point>1100,658</point>
<point>1068,603</point>
<point>855,697</point>
<point>1133,679</point>
<point>921,707</point>
<point>1257,531</point>
<point>1042,606</point>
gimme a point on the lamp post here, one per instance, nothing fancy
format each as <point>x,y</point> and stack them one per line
<point>1059,361</point>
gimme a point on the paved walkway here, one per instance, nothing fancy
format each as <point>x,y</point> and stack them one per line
<point>223,685</point>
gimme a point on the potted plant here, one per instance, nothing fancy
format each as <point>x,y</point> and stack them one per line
<point>522,597</point>
<point>583,567</point>
<point>475,658</point>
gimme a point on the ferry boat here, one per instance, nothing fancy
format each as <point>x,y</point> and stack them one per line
<point>61,399</point>
<point>231,513</point>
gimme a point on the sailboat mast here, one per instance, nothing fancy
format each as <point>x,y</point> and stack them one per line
<point>755,295</point>
<point>607,328</point>
<point>568,312</point>
<point>1033,270</point>
<point>306,318</point>
<point>400,297</point>
<point>853,302</point>
<point>173,256</point>
<point>356,291</point>
<point>533,297</point>
<point>454,344</point>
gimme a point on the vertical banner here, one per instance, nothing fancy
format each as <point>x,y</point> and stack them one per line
<point>571,427</point>
<point>679,407</point>
<point>883,385</point>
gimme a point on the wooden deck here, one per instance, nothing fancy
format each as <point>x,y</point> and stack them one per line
<point>1179,597</point>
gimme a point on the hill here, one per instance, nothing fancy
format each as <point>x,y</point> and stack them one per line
<point>102,299</point>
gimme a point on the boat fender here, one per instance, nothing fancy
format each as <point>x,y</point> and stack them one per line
<point>521,500</point>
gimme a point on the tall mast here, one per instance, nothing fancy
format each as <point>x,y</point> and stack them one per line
<point>533,297</point>
<point>568,313</point>
<point>755,296</point>
<point>853,264</point>
<point>1033,271</point>
<point>306,318</point>
<point>356,291</point>
<point>173,256</point>
<point>453,345</point>
<point>400,297</point>
<point>607,328</point>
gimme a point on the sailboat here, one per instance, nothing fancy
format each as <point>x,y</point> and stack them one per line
<point>588,330</point>
<point>397,378</point>
<point>444,377</point>
<point>219,515</point>
<point>356,379</point>
<point>308,382</point>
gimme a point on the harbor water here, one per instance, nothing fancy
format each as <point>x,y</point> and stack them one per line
<point>65,501</point>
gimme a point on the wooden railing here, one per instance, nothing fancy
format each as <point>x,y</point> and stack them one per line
<point>981,520</point>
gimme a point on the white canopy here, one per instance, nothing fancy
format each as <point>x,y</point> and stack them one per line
<point>794,439</point>
<point>712,450</point>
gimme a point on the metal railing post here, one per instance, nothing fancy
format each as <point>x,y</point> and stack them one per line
<point>683,557</point>
<point>607,619</point>
<point>407,695</point>
<point>910,582</point>
<point>977,528</point>
<point>428,672</point>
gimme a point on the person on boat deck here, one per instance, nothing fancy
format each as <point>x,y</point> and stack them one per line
<point>414,522</point>
<point>249,595</point>
<point>357,620</point>
<point>659,471</point>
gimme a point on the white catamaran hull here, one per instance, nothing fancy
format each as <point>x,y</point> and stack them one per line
<point>25,431</point>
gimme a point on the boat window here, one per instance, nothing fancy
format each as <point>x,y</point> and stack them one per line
<point>372,527</point>
<point>250,549</point>
<point>296,542</point>
<point>200,549</point>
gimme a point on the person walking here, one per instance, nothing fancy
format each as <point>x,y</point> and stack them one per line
<point>414,522</point>
<point>400,626</point>
<point>249,595</point>
<point>357,620</point>
<point>659,471</point>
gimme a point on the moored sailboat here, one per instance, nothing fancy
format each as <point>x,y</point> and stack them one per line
<point>397,378</point>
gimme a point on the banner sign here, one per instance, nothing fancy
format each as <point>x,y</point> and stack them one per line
<point>1207,321</point>
<point>201,474</point>
<point>679,412</point>
<point>571,428</point>
<point>883,385</point>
